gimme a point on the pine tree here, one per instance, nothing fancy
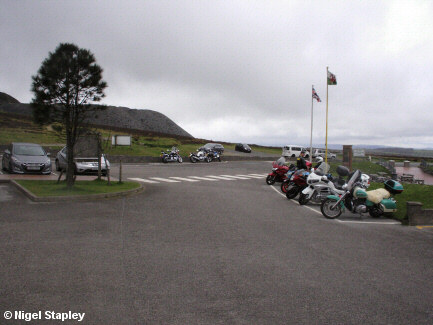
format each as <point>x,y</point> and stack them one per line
<point>66,85</point>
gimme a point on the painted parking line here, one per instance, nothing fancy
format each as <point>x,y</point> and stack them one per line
<point>221,177</point>
<point>184,179</point>
<point>235,177</point>
<point>164,180</point>
<point>251,176</point>
<point>422,227</point>
<point>204,178</point>
<point>142,180</point>
<point>391,222</point>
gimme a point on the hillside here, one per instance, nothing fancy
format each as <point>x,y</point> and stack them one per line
<point>117,117</point>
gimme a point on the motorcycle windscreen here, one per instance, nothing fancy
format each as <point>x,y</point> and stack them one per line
<point>356,175</point>
<point>281,161</point>
<point>323,169</point>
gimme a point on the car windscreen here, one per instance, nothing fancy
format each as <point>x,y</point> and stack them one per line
<point>24,150</point>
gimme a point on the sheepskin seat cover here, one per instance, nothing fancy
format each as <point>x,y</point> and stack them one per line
<point>378,195</point>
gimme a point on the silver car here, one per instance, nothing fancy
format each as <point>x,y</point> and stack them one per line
<point>26,158</point>
<point>82,165</point>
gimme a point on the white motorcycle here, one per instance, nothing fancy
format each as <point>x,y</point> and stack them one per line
<point>321,184</point>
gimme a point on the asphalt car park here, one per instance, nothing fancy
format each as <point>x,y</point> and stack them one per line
<point>228,251</point>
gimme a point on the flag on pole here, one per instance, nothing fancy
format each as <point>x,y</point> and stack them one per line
<point>316,96</point>
<point>332,79</point>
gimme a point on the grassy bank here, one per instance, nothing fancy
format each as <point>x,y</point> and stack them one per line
<point>411,192</point>
<point>52,188</point>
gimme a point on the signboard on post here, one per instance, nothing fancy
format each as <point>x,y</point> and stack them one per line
<point>121,140</point>
<point>358,152</point>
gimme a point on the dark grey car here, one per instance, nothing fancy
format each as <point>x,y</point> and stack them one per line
<point>213,146</point>
<point>243,147</point>
<point>26,158</point>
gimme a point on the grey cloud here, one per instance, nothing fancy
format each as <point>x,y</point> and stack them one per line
<point>242,71</point>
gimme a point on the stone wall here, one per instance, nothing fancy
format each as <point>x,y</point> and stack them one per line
<point>417,215</point>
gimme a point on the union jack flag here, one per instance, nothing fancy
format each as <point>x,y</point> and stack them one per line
<point>316,96</point>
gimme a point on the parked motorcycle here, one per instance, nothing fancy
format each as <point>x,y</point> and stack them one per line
<point>170,156</point>
<point>289,174</point>
<point>214,155</point>
<point>321,184</point>
<point>357,200</point>
<point>297,183</point>
<point>201,155</point>
<point>278,173</point>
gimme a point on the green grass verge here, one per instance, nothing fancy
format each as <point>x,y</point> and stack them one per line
<point>411,192</point>
<point>52,188</point>
<point>364,166</point>
<point>152,146</point>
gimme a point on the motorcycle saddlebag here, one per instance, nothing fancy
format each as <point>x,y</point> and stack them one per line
<point>393,186</point>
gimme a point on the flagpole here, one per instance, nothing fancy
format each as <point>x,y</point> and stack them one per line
<point>326,138</point>
<point>311,136</point>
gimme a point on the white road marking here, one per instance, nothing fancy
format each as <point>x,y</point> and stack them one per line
<point>338,220</point>
<point>204,178</point>
<point>185,179</point>
<point>164,180</point>
<point>370,222</point>
<point>221,177</point>
<point>252,176</point>
<point>235,177</point>
<point>211,178</point>
<point>142,180</point>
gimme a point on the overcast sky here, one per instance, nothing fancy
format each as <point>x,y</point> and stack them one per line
<point>242,71</point>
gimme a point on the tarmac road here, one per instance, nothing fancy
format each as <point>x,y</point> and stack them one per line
<point>223,249</point>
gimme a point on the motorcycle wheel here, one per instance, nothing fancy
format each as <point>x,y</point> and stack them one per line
<point>285,186</point>
<point>327,211</point>
<point>376,211</point>
<point>303,199</point>
<point>208,159</point>
<point>292,192</point>
<point>164,160</point>
<point>193,160</point>
<point>179,159</point>
<point>270,180</point>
